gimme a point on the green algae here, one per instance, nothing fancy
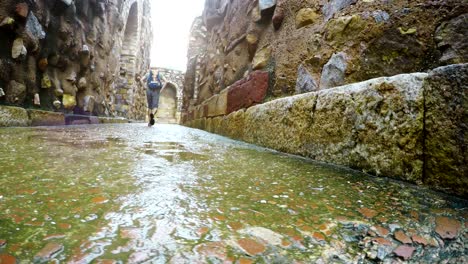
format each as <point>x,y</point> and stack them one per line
<point>171,194</point>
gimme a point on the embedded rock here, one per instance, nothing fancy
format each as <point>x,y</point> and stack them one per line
<point>43,63</point>
<point>18,49</point>
<point>335,6</point>
<point>278,17</point>
<point>266,4</point>
<point>333,74</point>
<point>305,82</point>
<point>68,101</point>
<point>45,82</point>
<point>261,58</point>
<point>306,16</point>
<point>22,10</point>
<point>15,93</point>
<point>34,27</point>
<point>88,103</point>
<point>451,40</point>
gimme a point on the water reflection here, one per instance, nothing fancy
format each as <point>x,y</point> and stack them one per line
<point>131,194</point>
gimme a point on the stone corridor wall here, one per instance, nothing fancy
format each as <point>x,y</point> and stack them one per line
<point>314,45</point>
<point>170,102</point>
<point>75,56</point>
<point>244,55</point>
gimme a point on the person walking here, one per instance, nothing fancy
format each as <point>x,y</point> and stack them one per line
<point>154,84</point>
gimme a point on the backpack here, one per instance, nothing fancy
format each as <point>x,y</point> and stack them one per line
<point>154,84</point>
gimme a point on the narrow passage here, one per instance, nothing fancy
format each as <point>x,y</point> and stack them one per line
<point>171,194</point>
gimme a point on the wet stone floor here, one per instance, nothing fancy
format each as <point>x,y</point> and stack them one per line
<point>170,194</point>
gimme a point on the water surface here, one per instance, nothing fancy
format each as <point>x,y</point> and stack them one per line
<point>170,194</point>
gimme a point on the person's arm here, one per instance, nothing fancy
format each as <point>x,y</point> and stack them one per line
<point>144,78</point>
<point>163,79</point>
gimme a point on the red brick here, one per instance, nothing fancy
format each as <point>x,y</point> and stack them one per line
<point>248,91</point>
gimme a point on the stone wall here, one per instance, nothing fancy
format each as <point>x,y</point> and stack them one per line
<point>313,45</point>
<point>245,55</point>
<point>75,56</point>
<point>410,127</point>
<point>170,101</point>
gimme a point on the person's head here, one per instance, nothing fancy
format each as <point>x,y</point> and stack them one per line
<point>154,71</point>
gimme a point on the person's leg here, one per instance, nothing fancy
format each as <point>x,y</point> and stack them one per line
<point>149,98</point>
<point>156,102</point>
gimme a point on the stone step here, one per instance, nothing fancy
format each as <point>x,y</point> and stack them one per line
<point>11,116</point>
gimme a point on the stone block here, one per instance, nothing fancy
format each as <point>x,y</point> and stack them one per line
<point>217,104</point>
<point>198,112</point>
<point>211,105</point>
<point>283,124</point>
<point>248,91</point>
<point>199,123</point>
<point>46,118</point>
<point>376,126</point>
<point>112,120</point>
<point>13,117</point>
<point>446,126</point>
<point>221,104</point>
<point>216,123</point>
<point>232,125</point>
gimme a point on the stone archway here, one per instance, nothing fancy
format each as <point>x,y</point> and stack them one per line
<point>167,112</point>
<point>130,43</point>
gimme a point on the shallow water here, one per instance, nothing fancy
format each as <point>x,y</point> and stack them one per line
<point>170,194</point>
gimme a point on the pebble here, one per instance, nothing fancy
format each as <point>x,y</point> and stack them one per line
<point>402,237</point>
<point>406,252</point>
<point>394,227</point>
<point>420,240</point>
<point>48,252</point>
<point>7,259</point>
<point>251,247</point>
<point>447,228</point>
<point>54,236</point>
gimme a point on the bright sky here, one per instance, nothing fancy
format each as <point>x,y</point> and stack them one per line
<point>172,20</point>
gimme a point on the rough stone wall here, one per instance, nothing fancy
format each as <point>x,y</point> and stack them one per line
<point>175,78</point>
<point>170,102</point>
<point>75,56</point>
<point>410,126</point>
<point>314,45</point>
<point>195,55</point>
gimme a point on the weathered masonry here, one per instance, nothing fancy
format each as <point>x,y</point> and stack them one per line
<point>75,56</point>
<point>170,101</point>
<point>314,78</point>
